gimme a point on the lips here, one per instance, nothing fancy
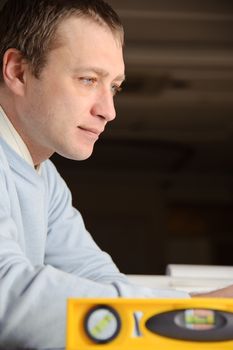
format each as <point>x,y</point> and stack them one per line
<point>91,131</point>
<point>94,131</point>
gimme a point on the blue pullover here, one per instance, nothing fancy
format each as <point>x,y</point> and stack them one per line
<point>47,256</point>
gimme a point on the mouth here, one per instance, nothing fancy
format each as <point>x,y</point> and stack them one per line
<point>92,132</point>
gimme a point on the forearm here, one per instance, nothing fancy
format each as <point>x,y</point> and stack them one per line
<point>33,300</point>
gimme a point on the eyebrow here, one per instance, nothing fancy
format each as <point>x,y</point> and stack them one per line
<point>100,72</point>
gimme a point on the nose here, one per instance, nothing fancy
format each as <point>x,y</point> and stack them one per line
<point>104,106</point>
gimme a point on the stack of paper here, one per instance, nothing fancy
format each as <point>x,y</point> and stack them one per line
<point>190,278</point>
<point>199,277</point>
<point>200,271</point>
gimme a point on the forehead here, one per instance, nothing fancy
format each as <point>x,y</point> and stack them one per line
<point>86,39</point>
<point>84,21</point>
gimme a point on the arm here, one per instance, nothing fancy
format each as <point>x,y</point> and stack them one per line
<point>33,298</point>
<point>69,246</point>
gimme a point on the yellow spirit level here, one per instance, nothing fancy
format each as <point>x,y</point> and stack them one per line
<point>161,324</point>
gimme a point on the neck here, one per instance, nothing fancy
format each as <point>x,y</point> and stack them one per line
<point>37,152</point>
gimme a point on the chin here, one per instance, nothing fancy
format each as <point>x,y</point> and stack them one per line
<point>79,155</point>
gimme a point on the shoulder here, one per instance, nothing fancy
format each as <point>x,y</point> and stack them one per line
<point>4,164</point>
<point>49,172</point>
<point>3,157</point>
<point>54,181</point>
<point>6,183</point>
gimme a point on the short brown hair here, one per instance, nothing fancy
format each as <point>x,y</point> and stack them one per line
<point>30,25</point>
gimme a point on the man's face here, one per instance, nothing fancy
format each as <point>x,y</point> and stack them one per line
<point>67,108</point>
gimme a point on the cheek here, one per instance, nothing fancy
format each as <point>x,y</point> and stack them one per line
<point>37,100</point>
<point>61,104</point>
<point>76,108</point>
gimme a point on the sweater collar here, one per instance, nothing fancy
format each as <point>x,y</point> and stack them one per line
<point>13,139</point>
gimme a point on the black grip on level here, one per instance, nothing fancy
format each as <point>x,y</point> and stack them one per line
<point>218,325</point>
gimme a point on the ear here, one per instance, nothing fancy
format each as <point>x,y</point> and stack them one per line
<point>14,71</point>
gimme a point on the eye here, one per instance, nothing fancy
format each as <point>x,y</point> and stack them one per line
<point>88,80</point>
<point>116,89</point>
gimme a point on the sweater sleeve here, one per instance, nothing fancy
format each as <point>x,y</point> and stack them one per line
<point>33,298</point>
<point>70,247</point>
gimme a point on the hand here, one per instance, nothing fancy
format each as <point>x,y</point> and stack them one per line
<point>226,292</point>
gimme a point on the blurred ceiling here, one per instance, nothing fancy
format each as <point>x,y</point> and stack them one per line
<point>179,66</point>
<point>178,96</point>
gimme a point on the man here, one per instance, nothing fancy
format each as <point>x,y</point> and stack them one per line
<point>61,65</point>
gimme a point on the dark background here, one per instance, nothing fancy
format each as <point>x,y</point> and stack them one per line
<point>159,187</point>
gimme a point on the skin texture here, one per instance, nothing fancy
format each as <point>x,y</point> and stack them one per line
<point>68,107</point>
<point>226,292</point>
